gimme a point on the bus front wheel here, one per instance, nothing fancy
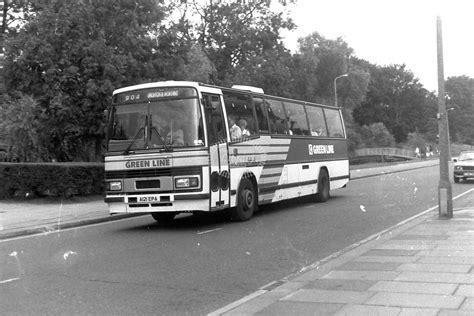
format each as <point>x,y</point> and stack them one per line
<point>246,201</point>
<point>323,186</point>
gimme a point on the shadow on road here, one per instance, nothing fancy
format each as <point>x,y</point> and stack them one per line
<point>206,220</point>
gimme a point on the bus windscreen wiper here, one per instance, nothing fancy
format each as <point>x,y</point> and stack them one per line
<point>152,128</point>
<point>127,151</point>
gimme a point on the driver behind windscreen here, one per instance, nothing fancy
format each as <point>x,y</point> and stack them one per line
<point>176,134</point>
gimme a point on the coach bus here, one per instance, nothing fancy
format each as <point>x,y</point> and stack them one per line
<point>178,146</point>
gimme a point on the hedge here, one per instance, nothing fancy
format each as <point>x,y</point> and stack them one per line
<point>25,180</point>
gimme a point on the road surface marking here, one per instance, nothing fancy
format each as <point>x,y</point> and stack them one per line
<point>9,280</point>
<point>209,231</point>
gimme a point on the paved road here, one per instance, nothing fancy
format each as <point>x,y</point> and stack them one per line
<point>199,264</point>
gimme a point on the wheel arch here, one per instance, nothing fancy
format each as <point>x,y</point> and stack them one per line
<point>325,168</point>
<point>323,185</point>
<point>246,203</point>
<point>251,176</point>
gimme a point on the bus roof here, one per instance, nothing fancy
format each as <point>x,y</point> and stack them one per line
<point>197,85</point>
<point>157,84</point>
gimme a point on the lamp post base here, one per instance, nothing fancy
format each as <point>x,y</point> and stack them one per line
<point>445,206</point>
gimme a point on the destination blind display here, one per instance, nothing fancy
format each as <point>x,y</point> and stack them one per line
<point>139,96</point>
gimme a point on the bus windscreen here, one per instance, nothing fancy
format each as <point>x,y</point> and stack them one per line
<point>155,119</point>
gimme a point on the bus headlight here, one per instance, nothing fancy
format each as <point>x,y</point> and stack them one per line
<point>186,182</point>
<point>114,186</point>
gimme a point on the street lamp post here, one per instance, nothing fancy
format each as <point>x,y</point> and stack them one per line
<point>445,194</point>
<point>335,87</point>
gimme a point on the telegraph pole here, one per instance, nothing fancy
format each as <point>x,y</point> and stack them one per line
<point>3,28</point>
<point>445,194</point>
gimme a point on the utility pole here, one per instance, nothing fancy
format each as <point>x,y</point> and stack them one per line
<point>445,194</point>
<point>3,28</point>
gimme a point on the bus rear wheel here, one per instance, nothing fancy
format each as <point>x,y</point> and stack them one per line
<point>323,186</point>
<point>163,217</point>
<point>246,201</point>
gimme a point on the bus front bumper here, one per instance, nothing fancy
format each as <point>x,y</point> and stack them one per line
<point>157,203</point>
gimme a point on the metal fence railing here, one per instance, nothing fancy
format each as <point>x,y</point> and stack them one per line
<point>385,151</point>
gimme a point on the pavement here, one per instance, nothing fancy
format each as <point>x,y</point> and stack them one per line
<point>421,266</point>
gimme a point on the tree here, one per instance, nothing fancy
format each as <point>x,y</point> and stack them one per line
<point>460,98</point>
<point>318,62</point>
<point>376,135</point>
<point>236,35</point>
<point>70,56</point>
<point>19,125</point>
<point>397,99</point>
<point>194,66</point>
<point>270,71</point>
<point>353,89</point>
<point>415,140</point>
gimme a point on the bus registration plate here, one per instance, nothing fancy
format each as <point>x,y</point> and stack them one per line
<point>148,198</point>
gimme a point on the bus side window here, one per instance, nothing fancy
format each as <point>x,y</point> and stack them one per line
<point>334,123</point>
<point>240,110</point>
<point>317,123</point>
<point>261,112</point>
<point>297,118</point>
<point>277,117</point>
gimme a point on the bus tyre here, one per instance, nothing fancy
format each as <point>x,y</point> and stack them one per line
<point>456,180</point>
<point>246,201</point>
<point>323,186</point>
<point>163,217</point>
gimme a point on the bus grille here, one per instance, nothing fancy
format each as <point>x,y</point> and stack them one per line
<point>148,173</point>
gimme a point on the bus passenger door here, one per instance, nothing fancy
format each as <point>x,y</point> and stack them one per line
<point>219,152</point>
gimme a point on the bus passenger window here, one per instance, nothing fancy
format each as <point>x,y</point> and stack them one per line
<point>317,124</point>
<point>297,118</point>
<point>277,117</point>
<point>334,122</point>
<point>240,110</point>
<point>261,115</point>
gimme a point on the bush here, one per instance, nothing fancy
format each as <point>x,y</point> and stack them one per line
<point>19,130</point>
<point>20,180</point>
<point>416,139</point>
<point>376,135</point>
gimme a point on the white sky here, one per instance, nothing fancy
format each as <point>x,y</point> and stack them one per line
<point>387,32</point>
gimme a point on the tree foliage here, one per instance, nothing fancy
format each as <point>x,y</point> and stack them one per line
<point>319,61</point>
<point>70,56</point>
<point>20,128</point>
<point>64,59</point>
<point>460,104</point>
<point>395,98</point>
<point>376,135</point>
<point>236,36</point>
